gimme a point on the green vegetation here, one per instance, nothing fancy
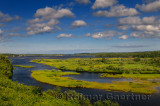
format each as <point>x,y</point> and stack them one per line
<point>16,94</point>
<point>23,66</point>
<point>55,78</point>
<point>5,67</point>
<point>41,54</point>
<point>21,55</point>
<point>8,55</point>
<point>106,65</point>
<point>133,76</point>
<point>143,71</point>
<point>147,54</point>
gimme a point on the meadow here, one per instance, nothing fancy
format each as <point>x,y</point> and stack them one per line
<point>17,94</point>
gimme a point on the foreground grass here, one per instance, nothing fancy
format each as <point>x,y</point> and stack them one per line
<point>55,78</point>
<point>16,94</point>
<point>23,66</point>
<point>133,76</point>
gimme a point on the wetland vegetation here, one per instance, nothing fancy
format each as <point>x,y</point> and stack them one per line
<point>145,73</point>
<point>133,76</point>
<point>55,77</point>
<point>17,94</point>
<point>106,65</point>
<point>23,66</point>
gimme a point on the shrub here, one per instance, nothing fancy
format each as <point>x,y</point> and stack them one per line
<point>105,103</point>
<point>79,69</point>
<point>136,59</point>
<point>62,67</point>
<point>37,90</point>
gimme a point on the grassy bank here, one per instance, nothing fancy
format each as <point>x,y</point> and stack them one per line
<point>23,66</point>
<point>133,76</point>
<point>55,78</point>
<point>16,94</point>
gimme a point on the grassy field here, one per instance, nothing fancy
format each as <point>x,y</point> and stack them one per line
<point>106,65</point>
<point>23,66</point>
<point>55,78</point>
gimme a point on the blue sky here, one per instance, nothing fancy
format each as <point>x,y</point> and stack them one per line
<point>79,26</point>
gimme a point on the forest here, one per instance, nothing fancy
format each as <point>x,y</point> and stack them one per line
<point>147,54</point>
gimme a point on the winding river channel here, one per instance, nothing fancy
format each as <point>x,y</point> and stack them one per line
<point>23,75</point>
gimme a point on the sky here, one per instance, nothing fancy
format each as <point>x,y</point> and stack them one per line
<point>79,26</point>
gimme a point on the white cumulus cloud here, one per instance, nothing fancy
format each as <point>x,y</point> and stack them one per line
<point>103,3</point>
<point>153,6</point>
<point>83,1</point>
<point>130,20</point>
<point>123,27</point>
<point>124,37</point>
<point>51,13</point>
<point>64,35</point>
<point>78,23</point>
<point>137,20</point>
<point>46,20</point>
<point>117,11</point>
<point>7,17</point>
<point>107,34</point>
<point>1,31</point>
<point>39,28</point>
<point>147,28</point>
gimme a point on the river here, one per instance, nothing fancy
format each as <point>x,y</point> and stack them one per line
<point>23,75</point>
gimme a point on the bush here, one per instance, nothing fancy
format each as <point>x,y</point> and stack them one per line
<point>79,69</point>
<point>5,67</point>
<point>136,59</point>
<point>62,67</point>
<point>37,90</point>
<point>105,103</point>
<point>104,60</point>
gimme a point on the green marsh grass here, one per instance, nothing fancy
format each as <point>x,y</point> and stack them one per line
<point>23,66</point>
<point>108,65</point>
<point>54,77</point>
<point>133,76</point>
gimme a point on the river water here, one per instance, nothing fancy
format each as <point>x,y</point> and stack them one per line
<point>23,75</point>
